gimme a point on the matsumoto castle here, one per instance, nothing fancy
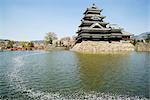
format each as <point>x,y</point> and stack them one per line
<point>93,28</point>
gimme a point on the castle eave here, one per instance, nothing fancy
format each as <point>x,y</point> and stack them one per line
<point>94,30</point>
<point>89,23</point>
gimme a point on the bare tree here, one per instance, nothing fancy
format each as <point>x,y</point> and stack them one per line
<point>50,36</point>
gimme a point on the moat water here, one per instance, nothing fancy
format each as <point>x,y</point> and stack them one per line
<point>38,75</point>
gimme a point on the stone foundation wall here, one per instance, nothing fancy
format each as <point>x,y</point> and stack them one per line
<point>95,47</point>
<point>142,47</point>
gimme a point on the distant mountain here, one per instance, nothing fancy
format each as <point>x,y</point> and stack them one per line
<point>141,36</point>
<point>35,41</point>
<point>4,40</point>
<point>38,41</point>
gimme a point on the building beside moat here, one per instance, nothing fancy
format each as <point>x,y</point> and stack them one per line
<point>94,28</point>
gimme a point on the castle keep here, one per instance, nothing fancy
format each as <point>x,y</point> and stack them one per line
<point>94,28</point>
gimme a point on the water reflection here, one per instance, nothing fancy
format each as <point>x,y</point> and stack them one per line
<point>117,74</point>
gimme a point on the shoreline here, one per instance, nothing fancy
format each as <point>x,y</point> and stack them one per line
<point>93,47</point>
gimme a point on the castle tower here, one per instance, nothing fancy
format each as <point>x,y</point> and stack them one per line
<point>94,28</point>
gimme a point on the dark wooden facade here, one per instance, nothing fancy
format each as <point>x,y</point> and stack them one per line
<point>93,28</point>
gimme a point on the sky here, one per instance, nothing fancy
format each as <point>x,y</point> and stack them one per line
<point>32,19</point>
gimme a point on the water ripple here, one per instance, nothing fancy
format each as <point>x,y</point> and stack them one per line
<point>63,94</point>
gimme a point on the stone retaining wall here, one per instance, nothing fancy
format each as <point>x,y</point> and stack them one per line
<point>95,47</point>
<point>142,47</point>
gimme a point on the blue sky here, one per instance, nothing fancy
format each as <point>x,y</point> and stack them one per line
<point>31,19</point>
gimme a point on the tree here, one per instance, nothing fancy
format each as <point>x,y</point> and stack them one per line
<point>50,36</point>
<point>134,42</point>
<point>30,44</point>
<point>65,38</point>
<point>60,43</point>
<point>10,44</point>
<point>23,44</point>
<point>56,44</point>
<point>2,44</point>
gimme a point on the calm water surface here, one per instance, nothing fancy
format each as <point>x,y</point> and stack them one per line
<point>68,75</point>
